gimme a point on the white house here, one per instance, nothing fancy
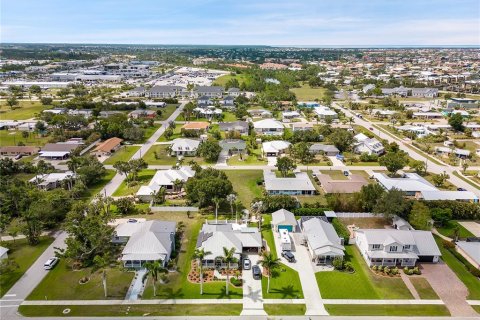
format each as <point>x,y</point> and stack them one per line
<point>368,145</point>
<point>146,241</point>
<point>3,253</point>
<point>268,127</point>
<point>184,147</point>
<point>299,185</point>
<point>166,179</point>
<point>391,247</point>
<point>50,181</point>
<point>275,148</point>
<point>284,219</point>
<point>323,243</point>
<point>411,183</point>
<point>325,112</point>
<point>288,116</point>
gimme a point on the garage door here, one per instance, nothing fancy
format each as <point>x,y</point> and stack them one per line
<point>289,228</point>
<point>425,259</point>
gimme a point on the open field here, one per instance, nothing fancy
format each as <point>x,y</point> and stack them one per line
<point>24,255</point>
<point>167,111</point>
<point>122,154</point>
<point>126,310</point>
<point>62,283</point>
<point>362,284</point>
<point>222,80</point>
<point>387,310</point>
<point>245,184</point>
<point>306,93</point>
<point>12,138</point>
<point>25,110</point>
<point>366,223</point>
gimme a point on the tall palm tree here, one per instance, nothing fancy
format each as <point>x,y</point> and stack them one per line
<point>231,198</point>
<point>153,269</point>
<point>269,263</point>
<point>177,185</point>
<point>200,254</point>
<point>228,257</point>
<point>217,201</point>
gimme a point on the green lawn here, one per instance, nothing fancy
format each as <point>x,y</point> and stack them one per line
<point>255,158</point>
<point>335,174</point>
<point>12,138</point>
<point>177,133</point>
<point>149,131</point>
<point>222,80</point>
<point>476,308</point>
<point>267,233</point>
<point>306,93</point>
<point>472,283</point>
<point>167,111</point>
<point>164,157</point>
<point>363,284</point>
<point>469,181</point>
<point>126,310</point>
<point>94,189</point>
<point>284,309</point>
<point>24,255</point>
<point>387,310</point>
<point>447,230</point>
<point>245,184</point>
<point>123,154</point>
<point>424,289</point>
<point>24,110</point>
<point>178,286</point>
<point>144,177</point>
<point>284,284</point>
<point>229,116</point>
<point>62,283</point>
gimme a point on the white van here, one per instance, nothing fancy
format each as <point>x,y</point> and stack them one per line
<point>50,263</point>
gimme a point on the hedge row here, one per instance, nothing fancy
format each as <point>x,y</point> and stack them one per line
<point>341,230</point>
<point>460,210</point>
<point>474,271</point>
<point>310,211</point>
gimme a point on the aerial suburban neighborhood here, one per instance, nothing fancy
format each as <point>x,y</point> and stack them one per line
<point>238,182</point>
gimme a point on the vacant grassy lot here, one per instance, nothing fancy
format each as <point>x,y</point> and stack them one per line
<point>177,133</point>
<point>284,284</point>
<point>167,111</point>
<point>125,153</point>
<point>62,283</point>
<point>12,138</point>
<point>93,190</point>
<point>306,93</point>
<point>284,309</point>
<point>144,177</point>
<point>126,310</point>
<point>149,131</point>
<point>222,80</point>
<point>387,310</point>
<point>245,184</point>
<point>24,255</point>
<point>448,230</point>
<point>335,174</point>
<point>363,284</point>
<point>366,223</point>
<point>424,289</point>
<point>472,283</point>
<point>25,110</point>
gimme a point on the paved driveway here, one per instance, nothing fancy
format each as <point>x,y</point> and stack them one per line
<point>472,226</point>
<point>252,290</point>
<point>449,288</point>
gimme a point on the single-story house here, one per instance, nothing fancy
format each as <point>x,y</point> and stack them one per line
<point>287,116</point>
<point>16,150</point>
<point>108,147</point>
<point>391,247</point>
<point>233,146</point>
<point>325,112</point>
<point>326,149</point>
<point>275,148</point>
<point>3,253</point>
<point>197,126</point>
<point>50,181</point>
<point>140,113</point>
<point>470,250</point>
<point>268,127</point>
<point>59,150</point>
<point>459,153</point>
<point>299,185</point>
<point>427,115</point>
<point>259,113</point>
<point>465,196</point>
<point>323,243</point>
<point>368,145</point>
<point>351,185</point>
<point>164,179</point>
<point>208,112</point>
<point>214,236</point>
<point>301,126</point>
<point>184,147</point>
<point>238,126</point>
<point>411,183</point>
<point>146,241</point>
<point>234,92</point>
<point>284,219</point>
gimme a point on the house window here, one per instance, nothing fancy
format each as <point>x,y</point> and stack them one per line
<point>393,248</point>
<point>376,247</point>
<point>407,247</point>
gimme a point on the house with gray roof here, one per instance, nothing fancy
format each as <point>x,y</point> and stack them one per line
<point>391,247</point>
<point>326,149</point>
<point>239,126</point>
<point>209,91</point>
<point>145,241</point>
<point>410,183</point>
<point>323,243</point>
<point>233,146</point>
<point>284,219</point>
<point>470,250</point>
<point>216,235</point>
<point>3,253</point>
<point>234,92</point>
<point>424,92</point>
<point>137,92</point>
<point>166,92</point>
<point>294,186</point>
<point>184,147</point>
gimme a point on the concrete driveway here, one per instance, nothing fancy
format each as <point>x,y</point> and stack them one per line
<point>449,288</point>
<point>252,290</point>
<point>472,226</point>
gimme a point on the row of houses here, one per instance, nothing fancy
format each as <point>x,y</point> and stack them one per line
<point>160,92</point>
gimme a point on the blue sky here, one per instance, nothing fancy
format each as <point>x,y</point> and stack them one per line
<point>243,22</point>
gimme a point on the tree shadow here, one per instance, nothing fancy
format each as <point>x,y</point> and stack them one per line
<point>286,292</point>
<point>169,293</point>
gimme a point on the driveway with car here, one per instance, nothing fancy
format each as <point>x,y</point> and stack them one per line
<point>252,290</point>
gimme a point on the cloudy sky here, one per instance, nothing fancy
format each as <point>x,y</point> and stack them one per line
<point>243,22</point>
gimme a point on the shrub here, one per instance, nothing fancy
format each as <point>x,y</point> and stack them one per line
<point>341,230</point>
<point>236,282</point>
<point>374,268</point>
<point>338,263</point>
<point>394,271</point>
<point>310,211</point>
<point>448,244</point>
<point>349,267</point>
<point>386,270</point>
<point>416,271</point>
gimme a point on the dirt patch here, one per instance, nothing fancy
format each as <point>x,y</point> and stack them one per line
<point>366,223</point>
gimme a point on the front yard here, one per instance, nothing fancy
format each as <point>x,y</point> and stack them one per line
<point>284,284</point>
<point>448,230</point>
<point>424,289</point>
<point>285,309</point>
<point>162,157</point>
<point>144,178</point>
<point>24,255</point>
<point>63,283</point>
<point>363,284</point>
<point>387,310</point>
<point>167,111</point>
<point>125,153</point>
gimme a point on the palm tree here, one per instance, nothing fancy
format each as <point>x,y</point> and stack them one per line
<point>231,198</point>
<point>159,197</point>
<point>177,185</point>
<point>217,201</point>
<point>269,263</point>
<point>153,269</point>
<point>228,258</point>
<point>200,254</point>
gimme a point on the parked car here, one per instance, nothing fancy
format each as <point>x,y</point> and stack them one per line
<point>461,189</point>
<point>371,129</point>
<point>18,156</point>
<point>50,263</point>
<point>247,264</point>
<point>132,220</point>
<point>257,273</point>
<point>288,255</point>
<point>346,173</point>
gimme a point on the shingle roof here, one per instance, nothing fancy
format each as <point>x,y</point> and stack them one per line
<point>109,144</point>
<point>322,237</point>
<point>283,216</point>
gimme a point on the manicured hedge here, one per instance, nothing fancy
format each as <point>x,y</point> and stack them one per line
<point>341,230</point>
<point>460,210</point>
<point>310,211</point>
